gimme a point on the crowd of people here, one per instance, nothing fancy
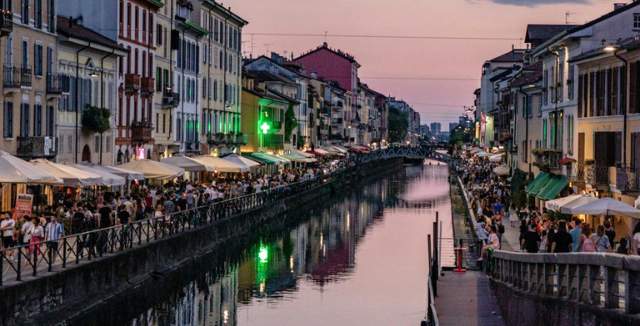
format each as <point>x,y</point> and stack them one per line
<point>104,209</point>
<point>490,200</point>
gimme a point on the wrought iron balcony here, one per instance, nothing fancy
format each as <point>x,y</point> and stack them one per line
<point>547,159</point>
<point>132,83</point>
<point>141,132</point>
<point>6,22</point>
<point>37,147</point>
<point>148,85</point>
<point>170,100</point>
<point>15,77</point>
<point>57,84</point>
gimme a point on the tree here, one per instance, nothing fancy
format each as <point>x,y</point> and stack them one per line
<point>95,119</point>
<point>398,125</point>
<point>290,123</point>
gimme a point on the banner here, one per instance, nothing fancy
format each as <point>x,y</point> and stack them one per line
<point>24,205</point>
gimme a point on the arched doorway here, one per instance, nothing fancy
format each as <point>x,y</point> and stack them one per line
<point>86,154</point>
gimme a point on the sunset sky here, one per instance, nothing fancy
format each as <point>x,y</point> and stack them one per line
<point>411,69</point>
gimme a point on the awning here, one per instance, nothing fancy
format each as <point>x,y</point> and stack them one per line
<point>538,183</point>
<point>154,169</point>
<point>318,152</point>
<point>496,158</point>
<point>219,165</point>
<point>553,187</point>
<point>340,149</point>
<point>608,206</point>
<point>15,170</point>
<point>71,176</point>
<point>186,163</point>
<point>108,178</point>
<point>296,157</point>
<point>268,159</point>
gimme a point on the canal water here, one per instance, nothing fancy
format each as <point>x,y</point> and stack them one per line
<point>357,260</point>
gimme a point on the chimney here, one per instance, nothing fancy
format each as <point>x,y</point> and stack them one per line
<point>618,5</point>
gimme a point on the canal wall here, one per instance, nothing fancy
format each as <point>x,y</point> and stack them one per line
<point>61,295</point>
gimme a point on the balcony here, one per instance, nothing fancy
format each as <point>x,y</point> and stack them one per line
<point>547,159</point>
<point>131,83</point>
<point>141,132</point>
<point>227,139</point>
<point>16,77</point>
<point>6,22</point>
<point>37,147</point>
<point>147,85</point>
<point>57,84</point>
<point>170,100</point>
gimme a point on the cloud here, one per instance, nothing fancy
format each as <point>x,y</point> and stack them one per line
<point>532,3</point>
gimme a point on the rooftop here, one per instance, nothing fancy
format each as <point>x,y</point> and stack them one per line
<point>66,27</point>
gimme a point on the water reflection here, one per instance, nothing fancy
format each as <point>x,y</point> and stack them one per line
<point>359,261</point>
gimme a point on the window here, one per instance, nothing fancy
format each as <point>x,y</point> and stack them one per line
<point>25,54</point>
<point>49,60</point>
<point>107,145</point>
<point>544,133</point>
<point>128,20</point>
<point>97,143</point>
<point>37,59</point>
<point>136,27</point>
<point>50,120</point>
<point>159,35</point>
<point>24,11</point>
<point>121,18</point>
<point>158,79</point>
<point>636,21</point>
<point>144,27</point>
<point>24,120</point>
<point>38,13</point>
<point>8,120</point>
<point>51,16</point>
<point>570,83</point>
<point>37,120</point>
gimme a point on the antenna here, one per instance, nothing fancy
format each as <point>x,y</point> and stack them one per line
<point>567,16</point>
<point>325,36</point>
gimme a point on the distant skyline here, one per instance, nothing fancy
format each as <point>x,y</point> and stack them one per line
<point>436,77</point>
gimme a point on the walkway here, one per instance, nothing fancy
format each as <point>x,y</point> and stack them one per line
<point>467,299</point>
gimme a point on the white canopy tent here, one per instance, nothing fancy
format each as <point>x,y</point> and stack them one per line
<point>496,158</point>
<point>219,165</point>
<point>71,176</point>
<point>15,170</point>
<point>608,206</point>
<point>153,169</point>
<point>108,178</point>
<point>188,164</point>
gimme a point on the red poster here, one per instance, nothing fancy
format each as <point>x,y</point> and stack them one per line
<point>24,205</point>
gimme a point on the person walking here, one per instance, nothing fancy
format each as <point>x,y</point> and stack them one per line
<point>37,236</point>
<point>561,239</point>
<point>601,240</point>
<point>575,233</point>
<point>532,240</point>
<point>54,231</point>
<point>586,244</point>
<point>7,227</point>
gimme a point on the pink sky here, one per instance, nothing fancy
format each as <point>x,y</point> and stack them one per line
<point>435,100</point>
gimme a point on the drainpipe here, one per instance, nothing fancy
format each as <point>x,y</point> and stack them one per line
<point>526,128</point>
<point>78,96</point>
<point>625,113</point>
<point>102,92</point>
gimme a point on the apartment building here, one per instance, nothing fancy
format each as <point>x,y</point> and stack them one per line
<point>30,84</point>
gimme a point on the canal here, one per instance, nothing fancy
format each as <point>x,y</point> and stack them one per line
<point>355,260</point>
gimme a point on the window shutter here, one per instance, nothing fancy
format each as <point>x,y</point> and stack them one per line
<point>633,74</point>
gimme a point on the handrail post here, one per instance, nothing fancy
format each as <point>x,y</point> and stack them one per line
<point>19,268</point>
<point>632,292</point>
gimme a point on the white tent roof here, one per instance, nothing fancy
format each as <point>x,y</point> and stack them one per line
<point>15,170</point>
<point>557,204</point>
<point>186,163</point>
<point>71,176</point>
<point>501,170</point>
<point>219,165</point>
<point>496,158</point>
<point>608,206</point>
<point>241,161</point>
<point>154,169</point>
<point>127,174</point>
<point>108,178</point>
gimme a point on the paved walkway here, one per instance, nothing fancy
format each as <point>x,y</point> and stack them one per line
<point>467,299</point>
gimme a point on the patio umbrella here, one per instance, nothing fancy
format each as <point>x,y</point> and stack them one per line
<point>71,176</point>
<point>108,178</point>
<point>241,161</point>
<point>153,169</point>
<point>186,163</point>
<point>501,170</point>
<point>15,170</point>
<point>608,206</point>
<point>220,165</point>
<point>557,204</point>
<point>496,158</point>
<point>127,174</point>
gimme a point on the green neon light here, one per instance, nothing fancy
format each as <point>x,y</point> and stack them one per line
<point>263,254</point>
<point>265,128</point>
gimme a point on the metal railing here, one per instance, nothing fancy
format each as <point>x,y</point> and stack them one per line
<point>600,280</point>
<point>31,260</point>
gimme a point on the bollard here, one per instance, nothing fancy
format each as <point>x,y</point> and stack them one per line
<point>459,253</point>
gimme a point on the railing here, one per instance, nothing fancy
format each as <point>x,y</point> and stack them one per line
<point>132,83</point>
<point>32,260</point>
<point>605,281</point>
<point>57,84</point>
<point>170,100</point>
<point>11,77</point>
<point>36,147</point>
<point>147,85</point>
<point>26,77</point>
<point>141,132</point>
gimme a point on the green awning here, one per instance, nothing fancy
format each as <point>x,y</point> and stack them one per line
<point>264,161</point>
<point>538,183</point>
<point>553,187</point>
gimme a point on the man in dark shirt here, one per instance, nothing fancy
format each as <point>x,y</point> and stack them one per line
<point>105,217</point>
<point>531,240</point>
<point>123,215</point>
<point>562,239</point>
